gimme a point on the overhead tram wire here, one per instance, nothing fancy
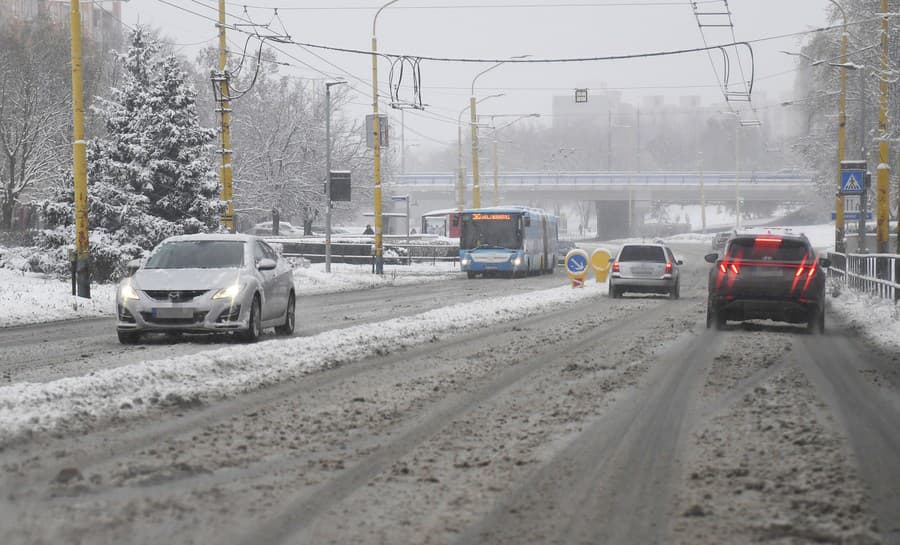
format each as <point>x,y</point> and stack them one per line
<point>538,5</point>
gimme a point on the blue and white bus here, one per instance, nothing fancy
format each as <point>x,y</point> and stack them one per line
<point>509,241</point>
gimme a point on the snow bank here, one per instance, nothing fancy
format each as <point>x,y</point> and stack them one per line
<point>131,389</point>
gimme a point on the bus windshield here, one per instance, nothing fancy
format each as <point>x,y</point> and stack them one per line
<point>490,231</point>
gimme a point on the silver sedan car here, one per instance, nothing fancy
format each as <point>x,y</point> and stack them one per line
<point>645,268</point>
<point>208,283</point>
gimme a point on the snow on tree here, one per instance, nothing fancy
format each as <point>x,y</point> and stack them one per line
<point>151,176</point>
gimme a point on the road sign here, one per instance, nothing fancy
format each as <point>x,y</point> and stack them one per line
<point>851,216</point>
<point>853,177</point>
<point>340,185</point>
<point>577,266</point>
<point>383,139</point>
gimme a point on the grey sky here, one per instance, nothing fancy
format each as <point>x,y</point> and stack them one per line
<point>475,29</point>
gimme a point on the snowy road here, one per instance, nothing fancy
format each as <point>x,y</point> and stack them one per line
<point>595,421</point>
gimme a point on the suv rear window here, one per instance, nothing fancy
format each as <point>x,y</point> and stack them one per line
<point>642,253</point>
<point>768,249</point>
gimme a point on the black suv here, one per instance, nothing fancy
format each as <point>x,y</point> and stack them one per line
<point>773,275</point>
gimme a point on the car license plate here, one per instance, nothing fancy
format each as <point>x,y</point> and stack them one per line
<point>767,272</point>
<point>642,271</point>
<point>173,312</point>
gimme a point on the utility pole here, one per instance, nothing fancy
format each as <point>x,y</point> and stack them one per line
<point>460,176</point>
<point>839,228</point>
<point>702,193</point>
<point>82,248</point>
<point>476,190</point>
<point>328,85</point>
<point>376,146</point>
<point>220,78</point>
<point>737,175</point>
<point>609,140</point>
<point>884,169</point>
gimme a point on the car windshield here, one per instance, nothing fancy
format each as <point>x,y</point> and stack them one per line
<point>643,253</point>
<point>198,254</point>
<point>768,249</point>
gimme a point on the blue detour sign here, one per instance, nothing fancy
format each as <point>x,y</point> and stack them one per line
<point>577,266</point>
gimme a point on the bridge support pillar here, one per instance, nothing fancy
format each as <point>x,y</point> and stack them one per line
<point>617,219</point>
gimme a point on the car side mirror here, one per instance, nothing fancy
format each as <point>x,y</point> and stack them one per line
<point>527,221</point>
<point>266,264</point>
<point>679,262</point>
<point>711,258</point>
<point>132,266</point>
<point>824,262</point>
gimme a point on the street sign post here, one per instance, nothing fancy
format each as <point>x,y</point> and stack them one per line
<point>853,177</point>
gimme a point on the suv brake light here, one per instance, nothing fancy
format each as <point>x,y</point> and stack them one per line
<point>615,267</point>
<point>668,267</point>
<point>734,267</point>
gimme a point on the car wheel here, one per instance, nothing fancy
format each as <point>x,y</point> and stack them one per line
<point>470,274</point>
<point>128,337</point>
<point>613,292</point>
<point>709,317</point>
<point>816,322</point>
<point>673,293</point>
<point>254,323</point>
<point>289,317</point>
<point>719,318</point>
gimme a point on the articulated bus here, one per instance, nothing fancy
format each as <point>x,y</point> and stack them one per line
<point>509,241</point>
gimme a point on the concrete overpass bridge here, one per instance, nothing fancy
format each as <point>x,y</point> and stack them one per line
<point>619,197</point>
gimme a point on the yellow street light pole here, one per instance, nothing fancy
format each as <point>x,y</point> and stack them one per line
<point>476,190</point>
<point>884,169</point>
<point>460,178</point>
<point>376,146</point>
<point>82,248</point>
<point>496,130</point>
<point>225,113</point>
<point>842,139</point>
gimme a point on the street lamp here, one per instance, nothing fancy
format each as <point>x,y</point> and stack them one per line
<point>328,86</point>
<point>460,180</point>
<point>476,191</point>
<point>737,162</point>
<point>518,117</point>
<point>376,145</point>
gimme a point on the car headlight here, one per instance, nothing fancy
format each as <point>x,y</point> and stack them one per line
<point>128,293</point>
<point>466,260</point>
<point>517,261</point>
<point>230,292</point>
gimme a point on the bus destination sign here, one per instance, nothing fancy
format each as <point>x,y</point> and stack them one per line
<point>490,217</point>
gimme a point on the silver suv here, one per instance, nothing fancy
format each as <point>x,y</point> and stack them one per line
<point>645,268</point>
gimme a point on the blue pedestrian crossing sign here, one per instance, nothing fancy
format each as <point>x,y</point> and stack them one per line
<point>853,177</point>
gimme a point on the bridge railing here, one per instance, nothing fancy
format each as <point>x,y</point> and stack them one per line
<point>617,178</point>
<point>877,274</point>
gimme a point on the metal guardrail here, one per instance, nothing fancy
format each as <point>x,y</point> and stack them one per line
<point>362,252</point>
<point>877,274</point>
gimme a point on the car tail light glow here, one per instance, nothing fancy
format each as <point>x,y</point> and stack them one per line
<point>764,240</point>
<point>615,267</point>
<point>669,267</point>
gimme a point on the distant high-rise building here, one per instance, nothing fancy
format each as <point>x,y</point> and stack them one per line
<point>100,20</point>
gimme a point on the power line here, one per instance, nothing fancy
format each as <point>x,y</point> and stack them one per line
<point>535,5</point>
